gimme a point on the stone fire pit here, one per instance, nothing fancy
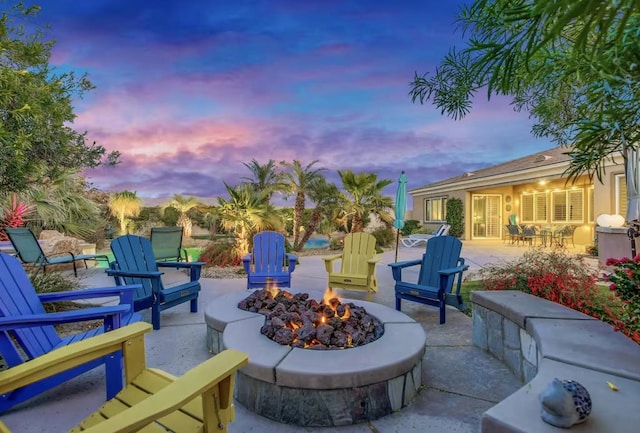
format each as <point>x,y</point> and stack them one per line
<point>320,388</point>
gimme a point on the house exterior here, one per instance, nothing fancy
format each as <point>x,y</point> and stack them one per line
<point>533,189</point>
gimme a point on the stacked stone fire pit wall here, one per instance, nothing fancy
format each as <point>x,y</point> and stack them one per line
<point>320,387</point>
<point>539,340</point>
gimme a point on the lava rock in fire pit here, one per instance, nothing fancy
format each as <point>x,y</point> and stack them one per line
<point>298,321</point>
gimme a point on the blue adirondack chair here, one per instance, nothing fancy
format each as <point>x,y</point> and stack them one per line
<point>440,266</point>
<point>268,262</point>
<point>27,331</point>
<point>28,250</point>
<point>135,264</point>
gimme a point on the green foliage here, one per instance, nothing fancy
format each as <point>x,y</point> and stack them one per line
<point>385,236</point>
<point>410,226</point>
<point>53,282</point>
<point>221,254</point>
<point>572,64</point>
<point>362,196</point>
<point>625,282</point>
<point>455,217</point>
<point>36,111</point>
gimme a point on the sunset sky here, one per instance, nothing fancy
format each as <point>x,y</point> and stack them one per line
<point>189,90</point>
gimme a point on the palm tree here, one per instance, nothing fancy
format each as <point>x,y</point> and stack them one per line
<point>300,178</point>
<point>63,203</point>
<point>266,178</point>
<point>326,197</point>
<point>183,205</point>
<point>246,213</point>
<point>362,196</point>
<point>124,205</point>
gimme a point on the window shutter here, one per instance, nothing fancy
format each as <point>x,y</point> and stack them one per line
<point>526,202</point>
<point>576,206</point>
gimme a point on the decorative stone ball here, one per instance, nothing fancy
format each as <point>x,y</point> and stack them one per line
<point>565,403</point>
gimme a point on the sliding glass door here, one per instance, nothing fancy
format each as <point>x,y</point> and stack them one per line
<point>486,216</point>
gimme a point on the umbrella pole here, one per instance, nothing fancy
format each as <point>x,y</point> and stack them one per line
<point>397,242</point>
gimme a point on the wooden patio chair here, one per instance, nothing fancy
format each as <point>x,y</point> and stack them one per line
<point>268,262</point>
<point>135,264</point>
<point>28,250</point>
<point>152,400</point>
<point>440,266</point>
<point>28,333</point>
<point>358,262</point>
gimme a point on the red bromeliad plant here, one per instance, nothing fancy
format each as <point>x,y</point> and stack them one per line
<point>14,216</point>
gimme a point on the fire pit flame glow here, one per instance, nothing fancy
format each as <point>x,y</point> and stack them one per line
<point>296,320</point>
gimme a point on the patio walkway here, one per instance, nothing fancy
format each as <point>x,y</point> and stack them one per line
<point>460,381</point>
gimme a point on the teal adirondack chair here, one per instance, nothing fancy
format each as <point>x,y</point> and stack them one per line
<point>28,250</point>
<point>440,266</point>
<point>135,264</point>
<point>27,331</point>
<point>166,243</point>
<point>268,262</point>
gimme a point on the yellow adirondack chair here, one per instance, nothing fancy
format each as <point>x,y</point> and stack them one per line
<point>200,400</point>
<point>358,264</point>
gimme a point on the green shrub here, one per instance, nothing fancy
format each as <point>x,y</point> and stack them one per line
<point>410,226</point>
<point>385,236</point>
<point>53,282</point>
<point>222,254</point>
<point>455,217</point>
<point>625,283</point>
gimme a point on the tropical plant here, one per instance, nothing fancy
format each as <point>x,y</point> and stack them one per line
<point>220,254</point>
<point>13,215</point>
<point>36,111</point>
<point>183,205</point>
<point>455,217</point>
<point>299,180</point>
<point>124,205</point>
<point>326,197</point>
<point>573,64</point>
<point>65,203</point>
<point>410,226</point>
<point>625,283</point>
<point>244,214</point>
<point>361,196</point>
<point>265,178</point>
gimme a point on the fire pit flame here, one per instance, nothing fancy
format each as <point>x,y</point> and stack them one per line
<point>301,322</point>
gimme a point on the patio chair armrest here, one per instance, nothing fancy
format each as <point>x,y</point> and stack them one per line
<point>181,391</point>
<point>397,267</point>
<point>81,315</point>
<point>375,259</point>
<point>140,274</point>
<point>98,292</point>
<point>74,354</point>
<point>180,265</point>
<point>451,271</point>
<point>328,262</point>
<point>293,259</point>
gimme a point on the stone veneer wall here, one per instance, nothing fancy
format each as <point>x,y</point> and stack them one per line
<point>504,339</point>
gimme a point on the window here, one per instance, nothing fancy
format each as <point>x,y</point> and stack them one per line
<point>533,207</point>
<point>620,194</point>
<point>567,206</point>
<point>435,209</point>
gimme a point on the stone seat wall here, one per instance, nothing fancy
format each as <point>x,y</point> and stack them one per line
<point>539,340</point>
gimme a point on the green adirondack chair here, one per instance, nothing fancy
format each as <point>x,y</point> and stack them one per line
<point>166,243</point>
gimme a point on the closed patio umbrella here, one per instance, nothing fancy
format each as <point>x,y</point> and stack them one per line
<point>400,207</point>
<point>632,175</point>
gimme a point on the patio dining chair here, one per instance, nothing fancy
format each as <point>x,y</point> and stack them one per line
<point>29,250</point>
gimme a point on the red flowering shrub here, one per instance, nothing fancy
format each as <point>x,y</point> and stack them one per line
<point>222,254</point>
<point>625,283</point>
<point>566,280</point>
<point>13,215</point>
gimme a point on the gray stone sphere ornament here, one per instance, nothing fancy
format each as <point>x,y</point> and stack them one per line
<point>565,403</point>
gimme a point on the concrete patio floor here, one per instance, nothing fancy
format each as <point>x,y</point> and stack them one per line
<point>460,381</point>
